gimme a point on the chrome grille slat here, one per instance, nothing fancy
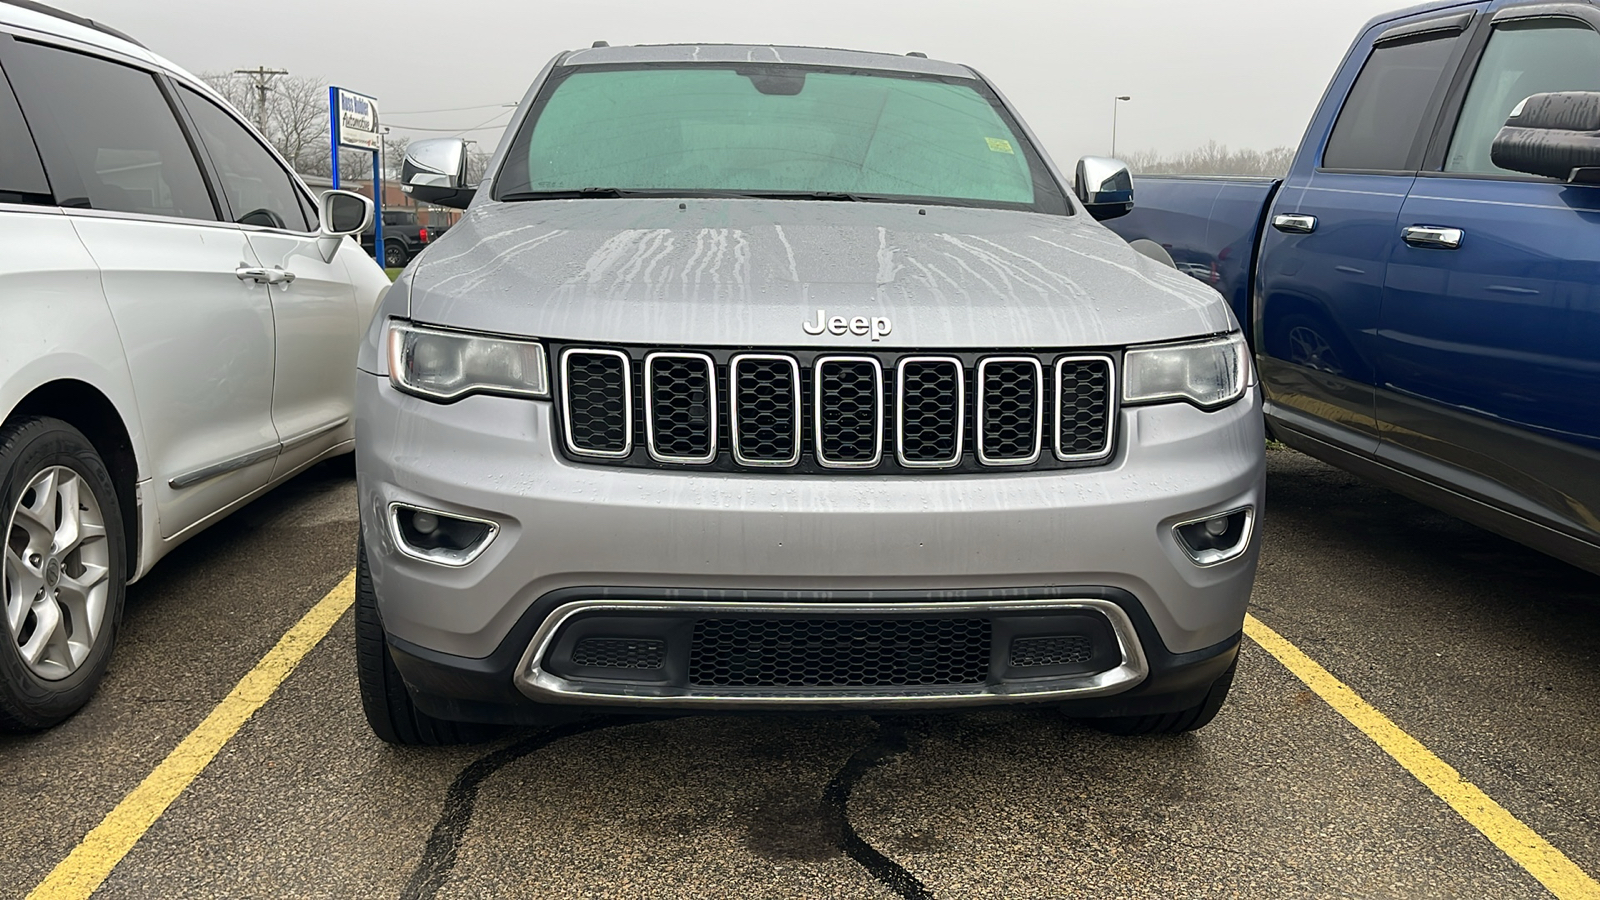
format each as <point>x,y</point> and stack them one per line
<point>680,407</point>
<point>1010,393</point>
<point>847,411</point>
<point>1085,407</point>
<point>930,411</point>
<point>764,409</point>
<point>597,402</point>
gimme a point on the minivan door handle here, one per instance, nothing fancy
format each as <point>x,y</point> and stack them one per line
<point>1433,237</point>
<point>262,275</point>
<point>1294,223</point>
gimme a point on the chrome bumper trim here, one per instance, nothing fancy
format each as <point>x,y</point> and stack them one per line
<point>540,685</point>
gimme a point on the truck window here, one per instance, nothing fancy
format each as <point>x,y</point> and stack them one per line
<point>770,128</point>
<point>1522,59</point>
<point>21,174</point>
<point>1378,125</point>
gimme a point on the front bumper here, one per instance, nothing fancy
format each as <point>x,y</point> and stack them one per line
<point>573,532</point>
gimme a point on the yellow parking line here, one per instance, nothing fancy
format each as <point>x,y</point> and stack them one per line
<point>1524,845</point>
<point>100,850</point>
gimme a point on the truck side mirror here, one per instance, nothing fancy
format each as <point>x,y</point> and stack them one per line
<point>1104,187</point>
<point>435,171</point>
<point>341,214</point>
<point>1556,135</point>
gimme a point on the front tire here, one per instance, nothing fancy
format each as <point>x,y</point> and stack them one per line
<point>1191,719</point>
<point>390,711</point>
<point>64,574</point>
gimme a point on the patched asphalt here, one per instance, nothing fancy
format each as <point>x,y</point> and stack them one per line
<point>1486,652</point>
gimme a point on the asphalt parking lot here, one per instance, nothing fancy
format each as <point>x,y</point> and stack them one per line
<point>1485,653</point>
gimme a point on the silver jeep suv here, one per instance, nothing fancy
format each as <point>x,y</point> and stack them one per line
<point>776,378</point>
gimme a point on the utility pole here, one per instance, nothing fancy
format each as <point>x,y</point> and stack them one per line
<point>262,76</point>
<point>1115,105</point>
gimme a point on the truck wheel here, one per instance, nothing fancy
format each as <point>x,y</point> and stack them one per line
<point>388,705</point>
<point>1191,719</point>
<point>65,572</point>
<point>394,254</point>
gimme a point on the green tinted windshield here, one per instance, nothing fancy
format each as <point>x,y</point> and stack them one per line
<point>771,129</point>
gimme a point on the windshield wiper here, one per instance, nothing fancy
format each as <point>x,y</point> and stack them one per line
<point>576,194</point>
<point>612,192</point>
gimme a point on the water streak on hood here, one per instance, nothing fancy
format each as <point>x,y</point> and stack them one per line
<point>749,272</point>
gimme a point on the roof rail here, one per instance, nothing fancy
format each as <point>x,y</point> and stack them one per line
<point>918,54</point>
<point>599,44</point>
<point>51,11</point>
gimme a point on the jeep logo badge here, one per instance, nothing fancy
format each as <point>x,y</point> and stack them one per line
<point>877,326</point>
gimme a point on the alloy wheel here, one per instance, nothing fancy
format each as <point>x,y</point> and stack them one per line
<point>56,573</point>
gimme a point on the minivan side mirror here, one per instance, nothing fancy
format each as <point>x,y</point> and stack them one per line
<point>435,171</point>
<point>341,214</point>
<point>1104,187</point>
<point>1556,135</point>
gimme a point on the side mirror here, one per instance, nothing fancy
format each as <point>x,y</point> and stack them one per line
<point>1104,187</point>
<point>341,214</point>
<point>1556,135</point>
<point>435,171</point>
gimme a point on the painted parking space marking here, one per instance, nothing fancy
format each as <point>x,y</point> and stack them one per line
<point>89,863</point>
<point>1560,875</point>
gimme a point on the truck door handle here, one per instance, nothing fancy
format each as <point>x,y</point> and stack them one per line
<point>262,275</point>
<point>1433,237</point>
<point>1294,223</point>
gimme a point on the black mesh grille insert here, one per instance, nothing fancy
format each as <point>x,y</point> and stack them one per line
<point>824,653</point>
<point>1083,407</point>
<point>1009,410</point>
<point>1059,650</point>
<point>765,409</point>
<point>681,407</point>
<point>930,411</point>
<point>848,395</point>
<point>620,653</point>
<point>597,391</point>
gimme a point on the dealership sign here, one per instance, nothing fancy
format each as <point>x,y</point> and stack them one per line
<point>355,120</point>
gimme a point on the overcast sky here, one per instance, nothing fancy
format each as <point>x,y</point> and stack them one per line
<point>1246,73</point>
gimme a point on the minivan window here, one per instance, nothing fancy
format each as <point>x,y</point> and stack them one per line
<point>258,189</point>
<point>775,129</point>
<point>21,173</point>
<point>1378,125</point>
<point>1521,60</point>
<point>118,130</point>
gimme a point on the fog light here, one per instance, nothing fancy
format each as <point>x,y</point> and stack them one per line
<point>439,537</point>
<point>1216,539</point>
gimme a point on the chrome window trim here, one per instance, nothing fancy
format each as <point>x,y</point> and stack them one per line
<point>649,405</point>
<point>1038,415</point>
<point>733,413</point>
<point>35,208</point>
<point>538,684</point>
<point>627,403</point>
<point>118,214</point>
<point>816,411</point>
<point>1111,406</point>
<point>900,412</point>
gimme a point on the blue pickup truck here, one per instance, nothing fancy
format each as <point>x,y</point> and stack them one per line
<point>1422,290</point>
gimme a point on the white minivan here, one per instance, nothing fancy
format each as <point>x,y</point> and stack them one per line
<point>178,330</point>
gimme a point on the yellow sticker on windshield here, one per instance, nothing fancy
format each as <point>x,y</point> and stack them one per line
<point>1000,146</point>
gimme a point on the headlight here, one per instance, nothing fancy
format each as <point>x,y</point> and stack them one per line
<point>445,365</point>
<point>1209,373</point>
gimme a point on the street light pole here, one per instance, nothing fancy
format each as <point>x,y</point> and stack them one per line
<point>1114,106</point>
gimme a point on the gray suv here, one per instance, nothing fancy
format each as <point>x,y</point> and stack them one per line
<point>778,378</point>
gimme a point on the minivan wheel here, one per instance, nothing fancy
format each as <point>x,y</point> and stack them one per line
<point>64,572</point>
<point>394,254</point>
<point>1191,719</point>
<point>390,711</point>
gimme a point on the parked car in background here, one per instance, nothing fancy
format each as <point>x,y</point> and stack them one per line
<point>782,378</point>
<point>178,326</point>
<point>404,236</point>
<point>1423,287</point>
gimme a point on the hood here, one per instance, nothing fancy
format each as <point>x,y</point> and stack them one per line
<point>719,272</point>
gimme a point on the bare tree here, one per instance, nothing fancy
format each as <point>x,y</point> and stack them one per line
<point>1212,159</point>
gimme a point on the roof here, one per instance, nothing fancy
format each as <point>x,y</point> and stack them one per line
<point>62,15</point>
<point>763,53</point>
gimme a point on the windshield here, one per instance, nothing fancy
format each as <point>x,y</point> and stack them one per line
<point>774,130</point>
